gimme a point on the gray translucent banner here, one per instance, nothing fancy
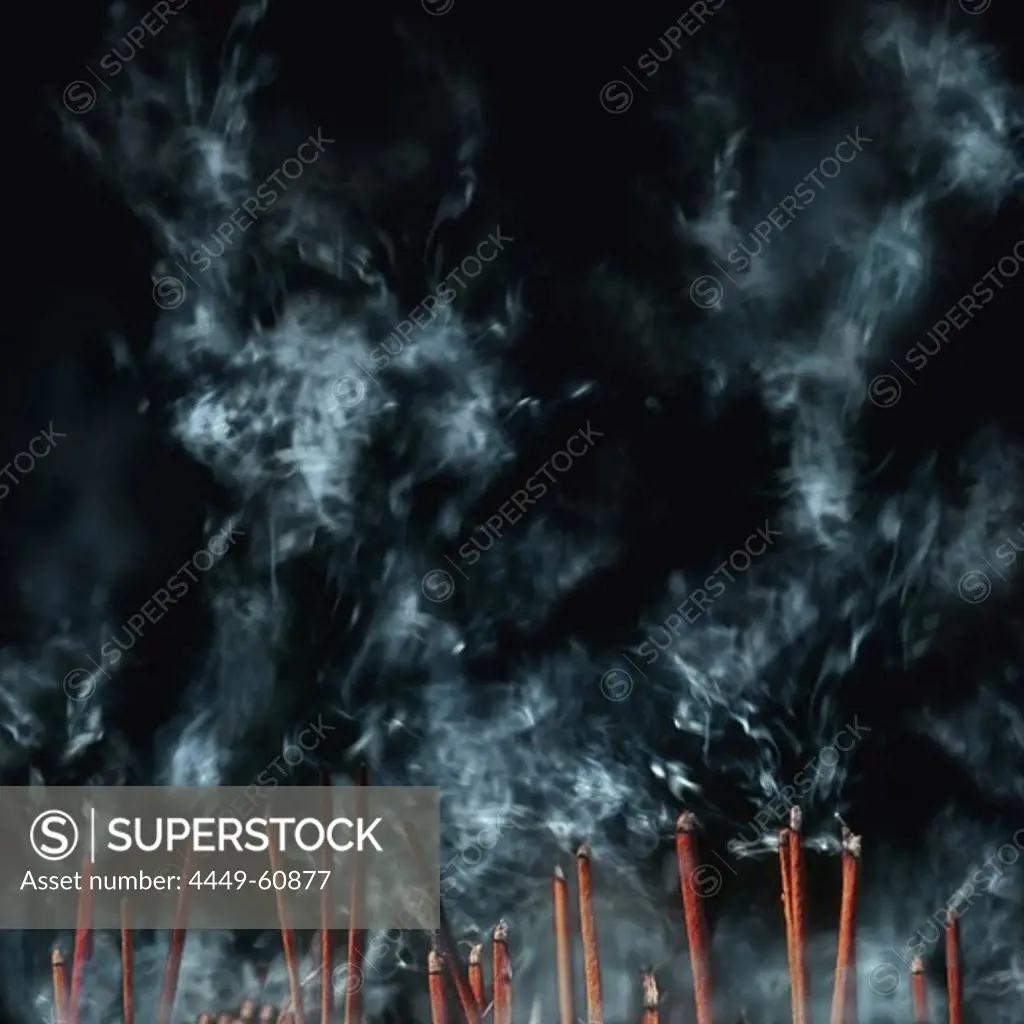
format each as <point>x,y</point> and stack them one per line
<point>224,857</point>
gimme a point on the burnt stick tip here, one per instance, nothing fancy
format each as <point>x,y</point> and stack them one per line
<point>686,822</point>
<point>649,989</point>
<point>796,819</point>
<point>475,955</point>
<point>917,966</point>
<point>500,932</point>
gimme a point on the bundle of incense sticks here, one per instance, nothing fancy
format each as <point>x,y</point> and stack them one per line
<point>462,995</point>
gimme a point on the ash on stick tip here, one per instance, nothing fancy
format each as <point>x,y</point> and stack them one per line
<point>796,819</point>
<point>951,916</point>
<point>433,962</point>
<point>500,932</point>
<point>583,852</point>
<point>917,966</point>
<point>686,822</point>
<point>559,874</point>
<point>204,1018</point>
<point>475,955</point>
<point>851,843</point>
<point>57,958</point>
<point>649,989</point>
<point>267,1015</point>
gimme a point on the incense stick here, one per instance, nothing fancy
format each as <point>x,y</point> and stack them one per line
<point>588,931</point>
<point>172,967</point>
<point>649,996</point>
<point>83,935</point>
<point>446,945</point>
<point>356,935</point>
<point>954,983</point>
<point>693,912</point>
<point>291,959</point>
<point>435,968</point>
<point>798,910</point>
<point>60,987</point>
<point>501,975</point>
<point>326,945</point>
<point>563,949</point>
<point>844,993</point>
<point>919,991</point>
<point>476,976</point>
<point>787,912</point>
<point>247,1011</point>
<point>127,967</point>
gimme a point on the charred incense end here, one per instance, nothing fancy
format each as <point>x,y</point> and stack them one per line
<point>686,822</point>
<point>224,1018</point>
<point>917,966</point>
<point>247,1011</point>
<point>476,976</point>
<point>583,852</point>
<point>796,819</point>
<point>851,844</point>
<point>649,989</point>
<point>559,874</point>
<point>434,964</point>
<point>60,986</point>
<point>204,1018</point>
<point>500,932</point>
<point>267,1014</point>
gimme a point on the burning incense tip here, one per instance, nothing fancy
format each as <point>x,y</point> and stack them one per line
<point>649,989</point>
<point>500,932</point>
<point>559,873</point>
<point>475,955</point>
<point>686,822</point>
<point>434,965</point>
<point>796,819</point>
<point>267,1014</point>
<point>917,966</point>
<point>57,958</point>
<point>851,843</point>
<point>204,1018</point>
<point>247,1011</point>
<point>583,852</point>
